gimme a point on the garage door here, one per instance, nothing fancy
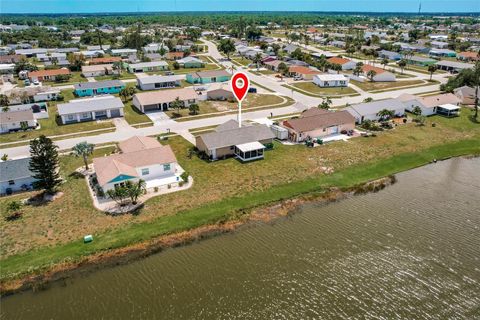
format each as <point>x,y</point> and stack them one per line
<point>152,107</point>
<point>115,113</point>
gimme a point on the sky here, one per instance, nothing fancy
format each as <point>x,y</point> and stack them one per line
<point>112,6</point>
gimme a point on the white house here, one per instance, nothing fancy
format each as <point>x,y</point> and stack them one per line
<point>97,108</point>
<point>17,120</point>
<point>140,158</point>
<point>370,110</point>
<point>346,64</point>
<point>429,104</point>
<point>97,70</point>
<point>330,80</point>
<point>16,176</point>
<point>159,82</point>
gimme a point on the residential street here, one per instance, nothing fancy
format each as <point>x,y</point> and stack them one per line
<point>302,102</point>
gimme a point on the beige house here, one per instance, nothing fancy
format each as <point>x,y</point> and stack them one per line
<point>97,70</point>
<point>466,94</point>
<point>163,99</point>
<point>317,123</point>
<point>246,143</point>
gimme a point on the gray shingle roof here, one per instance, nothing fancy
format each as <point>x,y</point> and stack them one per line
<point>374,107</point>
<point>98,84</point>
<point>89,105</point>
<point>15,169</point>
<point>235,136</point>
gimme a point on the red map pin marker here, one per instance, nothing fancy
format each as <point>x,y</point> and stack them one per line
<point>240,85</point>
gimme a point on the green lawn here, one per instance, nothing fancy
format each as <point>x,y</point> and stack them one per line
<point>132,115</point>
<point>123,76</point>
<point>242,61</point>
<point>75,78</point>
<point>312,88</point>
<point>374,86</point>
<point>251,101</point>
<point>52,126</point>
<point>223,190</point>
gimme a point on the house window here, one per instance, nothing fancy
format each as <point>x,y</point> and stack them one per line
<point>70,117</point>
<point>145,171</point>
<point>166,167</point>
<point>11,182</point>
<point>85,115</point>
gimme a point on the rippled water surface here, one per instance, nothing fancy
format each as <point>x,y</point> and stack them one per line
<point>410,251</point>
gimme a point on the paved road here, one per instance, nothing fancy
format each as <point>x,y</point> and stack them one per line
<point>161,126</point>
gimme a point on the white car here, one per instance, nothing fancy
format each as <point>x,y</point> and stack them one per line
<point>36,82</point>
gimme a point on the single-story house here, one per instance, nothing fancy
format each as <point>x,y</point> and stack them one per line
<point>273,64</point>
<point>153,56</point>
<point>466,94</point>
<point>7,68</point>
<point>429,104</point>
<point>90,109</point>
<point>439,44</point>
<point>246,142</point>
<point>51,56</point>
<point>85,89</point>
<point>468,56</point>
<point>208,76</point>
<point>330,80</point>
<point>316,123</point>
<point>16,176</point>
<point>123,52</point>
<point>140,158</point>
<point>17,120</point>
<point>99,47</point>
<point>97,70</point>
<point>220,91</point>
<point>174,55</point>
<point>104,60</point>
<point>369,110</point>
<point>346,64</point>
<point>290,48</point>
<point>48,95</point>
<point>92,53</point>
<point>303,72</point>
<point>39,109</point>
<point>420,61</point>
<point>390,55</point>
<point>11,58</point>
<point>338,44</point>
<point>147,66</point>
<point>381,75</point>
<point>453,66</point>
<point>48,74</point>
<point>29,53</point>
<point>163,99</point>
<point>154,47</point>
<point>190,62</point>
<point>442,53</point>
<point>159,82</point>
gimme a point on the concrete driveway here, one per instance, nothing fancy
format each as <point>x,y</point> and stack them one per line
<point>159,117</point>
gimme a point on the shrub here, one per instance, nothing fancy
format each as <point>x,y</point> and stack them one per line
<point>184,176</point>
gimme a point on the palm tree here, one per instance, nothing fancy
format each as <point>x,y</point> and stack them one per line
<point>257,59</point>
<point>194,108</point>
<point>371,74</point>
<point>337,67</point>
<point>432,68</point>
<point>177,105</point>
<point>4,101</point>
<point>384,63</point>
<point>83,149</point>
<point>385,114</point>
<point>135,190</point>
<point>326,103</point>
<point>402,64</point>
<point>117,66</point>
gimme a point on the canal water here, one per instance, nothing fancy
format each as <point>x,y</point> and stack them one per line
<point>410,251</point>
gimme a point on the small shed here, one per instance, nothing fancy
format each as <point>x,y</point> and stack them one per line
<point>279,132</point>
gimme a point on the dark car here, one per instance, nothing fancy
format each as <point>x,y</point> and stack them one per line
<point>252,90</point>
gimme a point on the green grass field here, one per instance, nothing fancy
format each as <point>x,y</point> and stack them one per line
<point>313,89</point>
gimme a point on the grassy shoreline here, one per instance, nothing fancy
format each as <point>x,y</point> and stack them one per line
<point>47,258</point>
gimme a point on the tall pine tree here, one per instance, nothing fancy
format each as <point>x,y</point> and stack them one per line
<point>44,164</point>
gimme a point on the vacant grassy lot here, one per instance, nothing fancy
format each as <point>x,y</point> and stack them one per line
<point>242,61</point>
<point>222,190</point>
<point>123,76</point>
<point>75,78</point>
<point>53,127</point>
<point>313,89</point>
<point>251,101</point>
<point>374,86</point>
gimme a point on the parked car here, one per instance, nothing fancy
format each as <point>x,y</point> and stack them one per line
<point>297,78</point>
<point>36,82</point>
<point>169,73</point>
<point>26,82</point>
<point>252,90</point>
